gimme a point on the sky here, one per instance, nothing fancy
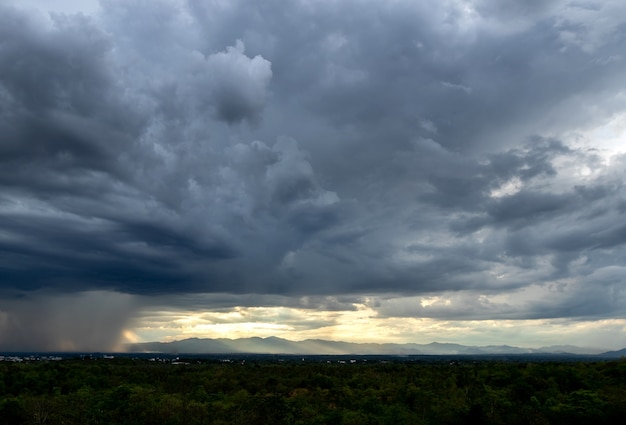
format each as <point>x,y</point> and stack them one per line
<point>367,171</point>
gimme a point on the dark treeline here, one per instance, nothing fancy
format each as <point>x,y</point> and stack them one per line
<point>137,392</point>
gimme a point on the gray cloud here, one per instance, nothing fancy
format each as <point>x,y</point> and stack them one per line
<point>319,149</point>
<point>599,294</point>
<point>238,84</point>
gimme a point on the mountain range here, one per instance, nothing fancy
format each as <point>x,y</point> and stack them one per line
<point>274,345</point>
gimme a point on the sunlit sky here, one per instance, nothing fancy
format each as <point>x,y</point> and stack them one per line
<point>390,171</point>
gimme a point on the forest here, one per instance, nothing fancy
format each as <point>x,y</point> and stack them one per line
<point>140,392</point>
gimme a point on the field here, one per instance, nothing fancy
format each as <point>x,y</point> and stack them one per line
<point>273,391</point>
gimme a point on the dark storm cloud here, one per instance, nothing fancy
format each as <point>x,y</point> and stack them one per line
<point>310,149</point>
<point>59,118</point>
<point>384,68</point>
<point>128,257</point>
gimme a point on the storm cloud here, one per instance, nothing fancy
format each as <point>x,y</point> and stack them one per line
<point>448,160</point>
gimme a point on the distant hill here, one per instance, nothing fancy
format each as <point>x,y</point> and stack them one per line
<point>274,345</point>
<point>614,354</point>
<point>568,349</point>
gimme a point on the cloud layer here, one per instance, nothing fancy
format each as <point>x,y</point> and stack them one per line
<point>457,160</point>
